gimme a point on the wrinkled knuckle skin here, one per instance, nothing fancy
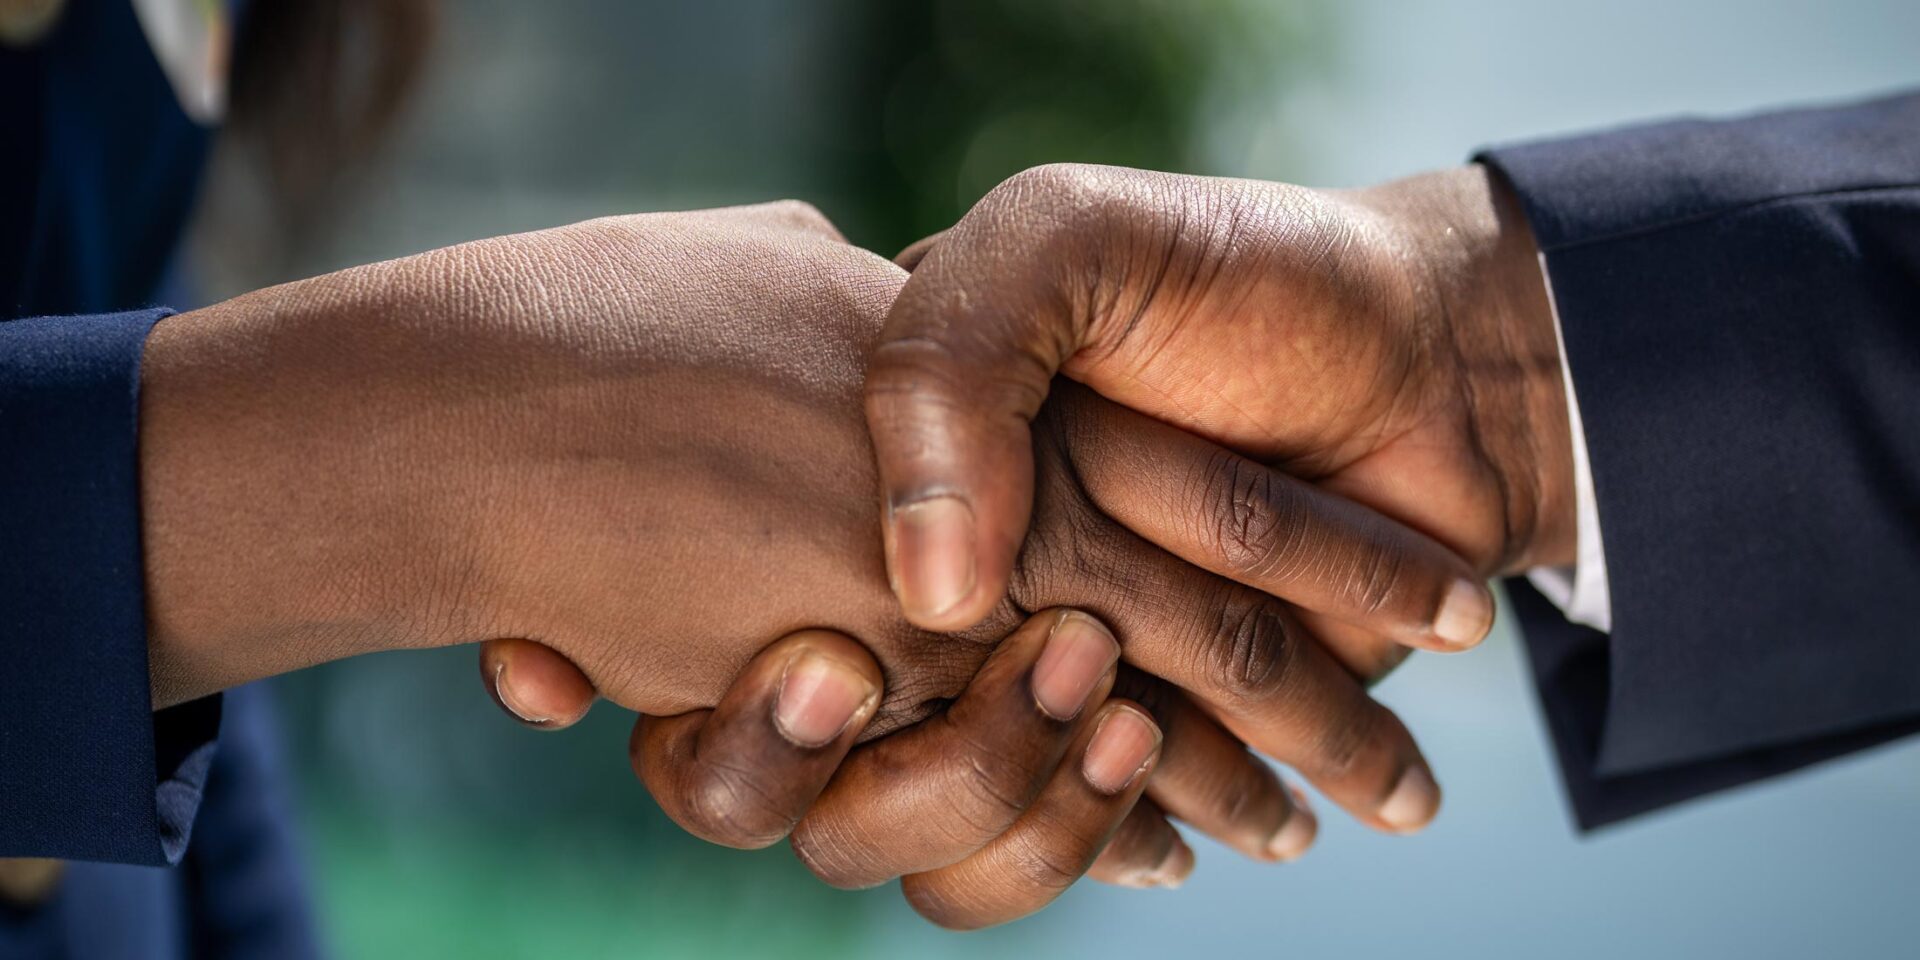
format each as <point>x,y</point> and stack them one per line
<point>993,790</point>
<point>1250,658</point>
<point>1045,186</point>
<point>910,377</point>
<point>829,854</point>
<point>1049,860</point>
<point>727,806</point>
<point>1074,555</point>
<point>1062,213</point>
<point>1377,583</point>
<point>1253,521</point>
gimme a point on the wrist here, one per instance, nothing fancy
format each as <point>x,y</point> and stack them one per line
<point>1511,314</point>
<point>1496,321</point>
<point>282,518</point>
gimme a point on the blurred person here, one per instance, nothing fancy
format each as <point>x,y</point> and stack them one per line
<point>494,441</point>
<point>1671,373</point>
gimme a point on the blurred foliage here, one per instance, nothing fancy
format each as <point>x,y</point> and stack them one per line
<point>939,101</point>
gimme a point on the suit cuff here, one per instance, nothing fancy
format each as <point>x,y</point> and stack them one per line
<point>88,770</point>
<point>1735,298</point>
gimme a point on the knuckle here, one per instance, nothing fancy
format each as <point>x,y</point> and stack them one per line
<point>1068,544</point>
<point>1048,860</point>
<point>1376,584</point>
<point>1253,524</point>
<point>804,215</point>
<point>1251,655</point>
<point>909,366</point>
<point>911,379</point>
<point>833,856</point>
<point>993,790</point>
<point>1059,207</point>
<point>1048,183</point>
<point>728,806</point>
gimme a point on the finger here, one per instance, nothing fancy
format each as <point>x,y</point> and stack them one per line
<point>534,684</point>
<point>742,773</point>
<point>1239,653</point>
<point>1280,535</point>
<point>961,368</point>
<point>1146,851</point>
<point>928,796</point>
<point>1052,845</point>
<point>917,251</point>
<point>1368,656</point>
<point>1209,779</point>
<point>1271,685</point>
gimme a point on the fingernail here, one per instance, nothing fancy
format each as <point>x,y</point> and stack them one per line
<point>1178,866</point>
<point>933,555</point>
<point>504,692</point>
<point>1293,838</point>
<point>1078,653</point>
<point>1414,801</point>
<point>1121,747</point>
<point>819,696</point>
<point>1465,615</point>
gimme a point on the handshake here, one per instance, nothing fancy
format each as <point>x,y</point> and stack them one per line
<point>1166,470</point>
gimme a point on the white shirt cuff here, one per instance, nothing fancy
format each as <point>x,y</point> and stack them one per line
<point>1579,591</point>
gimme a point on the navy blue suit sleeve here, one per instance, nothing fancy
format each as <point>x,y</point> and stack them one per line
<point>1740,306</point>
<point>88,770</point>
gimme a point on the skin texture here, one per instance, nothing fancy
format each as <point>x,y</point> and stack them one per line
<point>637,444</point>
<point>1393,345</point>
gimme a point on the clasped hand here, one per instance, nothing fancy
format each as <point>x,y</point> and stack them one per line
<point>639,457</point>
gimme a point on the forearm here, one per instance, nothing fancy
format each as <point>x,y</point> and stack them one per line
<point>287,491</point>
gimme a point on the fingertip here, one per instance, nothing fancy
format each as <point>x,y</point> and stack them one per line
<point>535,684</point>
<point>1080,652</point>
<point>1465,616</point>
<point>820,698</point>
<point>933,560</point>
<point>1124,746</point>
<point>1174,871</point>
<point>1296,833</point>
<point>1413,803</point>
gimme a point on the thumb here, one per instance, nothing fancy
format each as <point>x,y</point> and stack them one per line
<point>992,311</point>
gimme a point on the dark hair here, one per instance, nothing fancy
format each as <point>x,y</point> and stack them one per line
<point>316,84</point>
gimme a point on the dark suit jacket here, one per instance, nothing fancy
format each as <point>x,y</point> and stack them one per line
<point>98,168</point>
<point>1740,302</point>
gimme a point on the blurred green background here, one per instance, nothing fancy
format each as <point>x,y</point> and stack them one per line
<point>439,829</point>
